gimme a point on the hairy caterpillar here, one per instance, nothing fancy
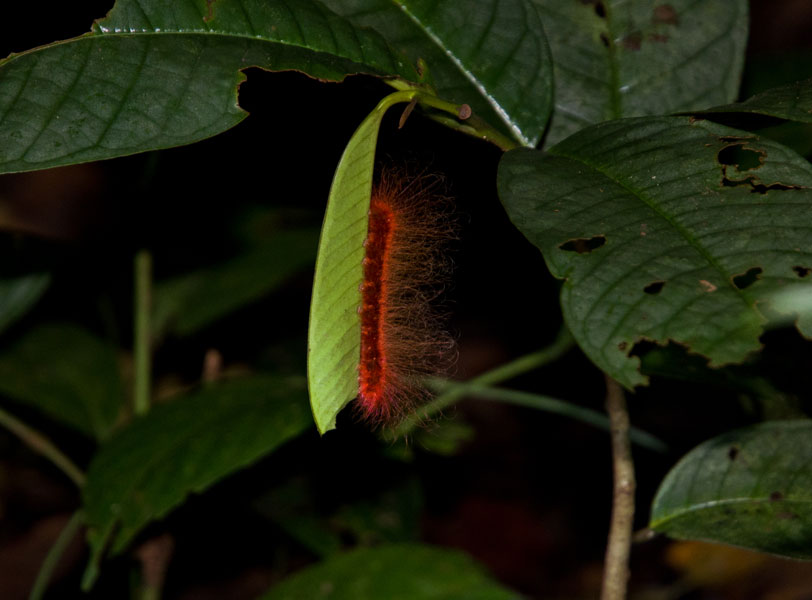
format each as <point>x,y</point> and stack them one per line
<point>405,267</point>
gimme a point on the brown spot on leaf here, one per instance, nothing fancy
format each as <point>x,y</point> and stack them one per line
<point>583,245</point>
<point>209,11</point>
<point>707,285</point>
<point>733,453</point>
<point>665,14</point>
<point>633,41</point>
<point>776,497</point>
<point>622,346</point>
<point>801,271</point>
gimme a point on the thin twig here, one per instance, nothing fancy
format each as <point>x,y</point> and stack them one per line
<point>616,567</point>
<point>560,346</point>
<point>545,403</point>
<point>42,445</point>
<point>54,555</point>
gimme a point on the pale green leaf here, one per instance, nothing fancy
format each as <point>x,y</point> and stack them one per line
<point>334,337</point>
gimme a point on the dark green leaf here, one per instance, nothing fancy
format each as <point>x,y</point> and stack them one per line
<point>665,229</point>
<point>792,102</point>
<point>20,294</point>
<point>67,373</point>
<point>156,74</point>
<point>490,54</point>
<point>394,572</point>
<point>750,488</point>
<point>186,446</point>
<point>191,302</point>
<point>622,58</point>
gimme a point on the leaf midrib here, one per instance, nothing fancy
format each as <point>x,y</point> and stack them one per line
<point>686,510</point>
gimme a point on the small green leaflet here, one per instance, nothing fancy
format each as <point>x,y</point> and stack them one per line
<point>751,488</point>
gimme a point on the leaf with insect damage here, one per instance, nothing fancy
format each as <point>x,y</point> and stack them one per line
<point>666,229</point>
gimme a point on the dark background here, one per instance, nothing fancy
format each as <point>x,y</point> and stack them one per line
<point>529,495</point>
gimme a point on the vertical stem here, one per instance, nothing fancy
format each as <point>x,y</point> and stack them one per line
<point>142,352</point>
<point>616,567</point>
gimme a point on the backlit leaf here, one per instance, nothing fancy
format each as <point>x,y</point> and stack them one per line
<point>334,336</point>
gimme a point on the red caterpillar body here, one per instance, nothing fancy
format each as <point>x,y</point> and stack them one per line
<point>404,268</point>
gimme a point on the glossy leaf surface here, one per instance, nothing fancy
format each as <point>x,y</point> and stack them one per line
<point>156,74</point>
<point>750,488</point>
<point>490,54</point>
<point>621,58</point>
<point>665,229</point>
<point>185,446</point>
<point>395,572</point>
<point>68,374</point>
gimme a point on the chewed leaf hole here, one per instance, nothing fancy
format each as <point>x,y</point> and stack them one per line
<point>584,245</point>
<point>801,271</point>
<point>747,279</point>
<point>655,287</point>
<point>755,186</point>
<point>741,157</point>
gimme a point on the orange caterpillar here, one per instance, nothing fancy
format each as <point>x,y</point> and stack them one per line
<point>404,269</point>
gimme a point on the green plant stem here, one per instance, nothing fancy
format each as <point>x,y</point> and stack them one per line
<point>51,561</point>
<point>462,120</point>
<point>142,352</point>
<point>42,445</point>
<point>549,404</point>
<point>560,346</point>
<point>618,548</point>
